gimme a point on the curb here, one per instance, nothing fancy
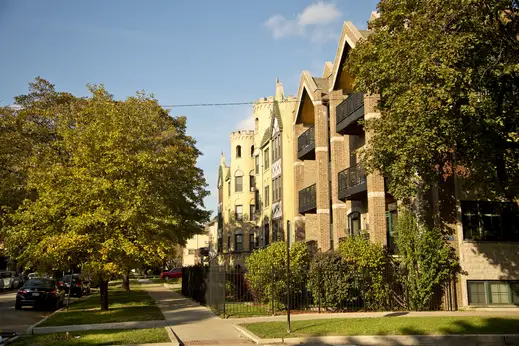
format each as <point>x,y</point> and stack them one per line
<point>175,341</point>
<point>100,326</point>
<point>8,341</point>
<point>31,327</point>
<point>411,340</point>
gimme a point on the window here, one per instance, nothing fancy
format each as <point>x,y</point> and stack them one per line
<point>275,225</point>
<point>252,151</point>
<point>257,198</point>
<point>252,212</point>
<point>490,221</point>
<point>238,241</point>
<point>238,151</point>
<point>493,292</point>
<point>256,162</point>
<point>391,219</point>
<point>266,234</point>
<point>267,197</point>
<point>266,158</point>
<point>238,213</point>
<point>276,189</point>
<point>229,188</point>
<point>238,184</point>
<point>354,223</point>
<point>252,241</point>
<point>229,243</point>
<point>252,183</point>
<point>276,148</point>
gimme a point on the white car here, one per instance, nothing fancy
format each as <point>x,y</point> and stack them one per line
<point>10,279</point>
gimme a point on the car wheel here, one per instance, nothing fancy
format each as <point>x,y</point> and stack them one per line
<point>18,305</point>
<point>166,278</point>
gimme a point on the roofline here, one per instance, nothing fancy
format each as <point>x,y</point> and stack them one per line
<point>307,83</point>
<point>350,35</point>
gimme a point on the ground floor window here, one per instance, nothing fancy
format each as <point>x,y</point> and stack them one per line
<point>493,292</point>
<point>354,223</point>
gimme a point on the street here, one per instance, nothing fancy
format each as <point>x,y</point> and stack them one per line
<point>12,320</point>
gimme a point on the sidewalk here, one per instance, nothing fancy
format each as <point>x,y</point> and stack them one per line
<point>194,324</point>
<point>325,315</point>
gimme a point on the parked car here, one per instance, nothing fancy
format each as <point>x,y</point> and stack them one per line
<point>79,286</point>
<point>11,279</point>
<point>40,293</point>
<point>171,274</point>
<point>1,285</point>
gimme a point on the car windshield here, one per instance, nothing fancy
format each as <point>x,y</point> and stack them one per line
<point>66,278</point>
<point>39,283</point>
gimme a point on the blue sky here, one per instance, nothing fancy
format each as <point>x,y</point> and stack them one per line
<point>184,52</point>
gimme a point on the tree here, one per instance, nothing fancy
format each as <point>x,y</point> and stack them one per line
<point>428,259</point>
<point>117,185</point>
<point>447,72</point>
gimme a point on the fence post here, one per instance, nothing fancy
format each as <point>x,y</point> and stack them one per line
<point>273,291</point>
<point>318,287</point>
<point>224,291</point>
<point>288,281</point>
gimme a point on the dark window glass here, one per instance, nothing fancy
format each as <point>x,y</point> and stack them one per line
<point>252,212</point>
<point>266,158</point>
<point>477,294</point>
<point>238,184</point>
<point>252,241</point>
<point>238,213</point>
<point>256,161</point>
<point>499,292</point>
<point>266,234</point>
<point>354,223</point>
<point>238,151</point>
<point>267,197</point>
<point>490,221</point>
<point>238,239</point>
<point>252,183</point>
<point>39,283</point>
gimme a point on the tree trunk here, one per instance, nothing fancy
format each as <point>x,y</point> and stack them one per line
<point>126,281</point>
<point>103,290</point>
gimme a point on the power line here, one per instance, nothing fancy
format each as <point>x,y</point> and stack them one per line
<point>237,103</point>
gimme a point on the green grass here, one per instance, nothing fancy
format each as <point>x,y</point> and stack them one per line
<point>241,309</point>
<point>134,305</point>
<point>389,326</point>
<point>100,337</point>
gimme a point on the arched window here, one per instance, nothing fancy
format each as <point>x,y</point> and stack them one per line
<point>252,182</point>
<point>238,151</point>
<point>252,151</point>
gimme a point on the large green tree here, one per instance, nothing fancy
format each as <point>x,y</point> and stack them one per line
<point>116,185</point>
<point>447,72</point>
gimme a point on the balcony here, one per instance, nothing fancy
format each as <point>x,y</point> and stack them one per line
<point>307,200</point>
<point>348,113</point>
<point>352,184</point>
<point>306,145</point>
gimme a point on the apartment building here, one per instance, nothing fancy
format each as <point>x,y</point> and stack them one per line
<point>309,146</point>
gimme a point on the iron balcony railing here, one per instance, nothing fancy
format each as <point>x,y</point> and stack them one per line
<point>306,142</point>
<point>348,112</point>
<point>352,182</point>
<point>307,199</point>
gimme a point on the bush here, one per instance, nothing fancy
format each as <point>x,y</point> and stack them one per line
<point>375,272</point>
<point>428,259</point>
<point>260,264</point>
<point>194,283</point>
<point>333,279</point>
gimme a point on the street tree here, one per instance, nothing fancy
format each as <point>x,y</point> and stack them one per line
<point>447,73</point>
<point>116,186</point>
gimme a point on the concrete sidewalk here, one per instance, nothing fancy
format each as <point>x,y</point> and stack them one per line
<point>403,314</point>
<point>192,323</point>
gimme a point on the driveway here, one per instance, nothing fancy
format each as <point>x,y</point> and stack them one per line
<point>12,320</point>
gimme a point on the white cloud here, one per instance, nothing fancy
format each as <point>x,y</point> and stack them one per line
<point>246,124</point>
<point>314,22</point>
<point>319,13</point>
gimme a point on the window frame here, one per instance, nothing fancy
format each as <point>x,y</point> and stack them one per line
<point>477,215</point>
<point>487,284</point>
<point>238,215</point>
<point>266,160</point>
<point>238,151</point>
<point>267,196</point>
<point>238,235</point>
<point>238,185</point>
<point>252,212</point>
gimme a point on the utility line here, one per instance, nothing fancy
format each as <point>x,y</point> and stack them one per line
<point>237,103</point>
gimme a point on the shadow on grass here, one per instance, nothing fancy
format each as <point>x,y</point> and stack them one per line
<point>414,327</point>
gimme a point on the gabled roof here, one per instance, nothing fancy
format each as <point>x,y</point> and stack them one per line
<point>327,71</point>
<point>267,135</point>
<point>349,37</point>
<point>309,85</point>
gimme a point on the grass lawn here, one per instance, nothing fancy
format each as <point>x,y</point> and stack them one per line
<point>243,309</point>
<point>135,305</point>
<point>389,326</point>
<point>98,337</point>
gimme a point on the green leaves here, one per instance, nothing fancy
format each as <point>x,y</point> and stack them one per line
<point>114,183</point>
<point>447,76</point>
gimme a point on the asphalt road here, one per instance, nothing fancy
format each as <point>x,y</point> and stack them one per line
<point>12,320</point>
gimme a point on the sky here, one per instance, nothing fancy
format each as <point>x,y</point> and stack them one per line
<point>183,52</point>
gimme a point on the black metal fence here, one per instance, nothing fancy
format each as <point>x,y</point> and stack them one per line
<point>228,292</point>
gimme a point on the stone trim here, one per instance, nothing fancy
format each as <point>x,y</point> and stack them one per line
<point>337,139</point>
<point>373,115</point>
<point>299,163</point>
<point>339,206</point>
<point>321,149</point>
<point>299,217</point>
<point>376,194</point>
<point>323,211</point>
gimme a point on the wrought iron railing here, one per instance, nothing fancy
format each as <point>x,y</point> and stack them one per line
<point>306,139</point>
<point>307,198</point>
<point>349,106</point>
<point>351,177</point>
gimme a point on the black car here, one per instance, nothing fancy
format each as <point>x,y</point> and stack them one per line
<point>40,293</point>
<point>79,286</point>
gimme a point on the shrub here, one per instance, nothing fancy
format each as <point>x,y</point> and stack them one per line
<point>260,264</point>
<point>374,269</point>
<point>427,257</point>
<point>333,279</point>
